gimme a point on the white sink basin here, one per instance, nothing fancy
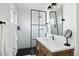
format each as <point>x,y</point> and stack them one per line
<point>54,45</point>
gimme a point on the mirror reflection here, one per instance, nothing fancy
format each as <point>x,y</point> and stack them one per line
<point>56,16</point>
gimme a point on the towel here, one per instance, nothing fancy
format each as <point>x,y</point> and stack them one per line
<point>9,40</point>
<point>2,39</point>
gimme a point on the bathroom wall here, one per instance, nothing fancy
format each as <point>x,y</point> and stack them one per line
<point>13,13</point>
<point>77,40</point>
<point>5,12</point>
<point>70,15</point>
<point>23,34</point>
<point>24,16</point>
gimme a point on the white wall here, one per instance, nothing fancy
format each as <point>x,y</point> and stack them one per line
<point>69,13</point>
<point>5,12</point>
<point>13,13</point>
<point>77,40</point>
<point>23,34</point>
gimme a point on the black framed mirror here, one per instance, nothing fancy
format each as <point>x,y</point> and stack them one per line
<point>56,23</point>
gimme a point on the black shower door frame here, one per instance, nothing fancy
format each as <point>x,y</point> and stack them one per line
<point>36,25</point>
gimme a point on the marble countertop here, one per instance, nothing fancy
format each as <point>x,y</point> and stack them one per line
<point>54,45</point>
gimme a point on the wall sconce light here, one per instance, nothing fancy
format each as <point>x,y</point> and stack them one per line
<point>52,5</point>
<point>49,7</point>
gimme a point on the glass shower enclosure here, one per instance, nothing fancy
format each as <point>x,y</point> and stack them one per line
<point>38,27</point>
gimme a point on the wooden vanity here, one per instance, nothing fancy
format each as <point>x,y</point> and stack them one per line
<point>44,51</point>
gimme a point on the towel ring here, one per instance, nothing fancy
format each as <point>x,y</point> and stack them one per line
<point>2,22</point>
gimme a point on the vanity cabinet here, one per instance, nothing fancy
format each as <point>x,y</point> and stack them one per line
<point>43,51</point>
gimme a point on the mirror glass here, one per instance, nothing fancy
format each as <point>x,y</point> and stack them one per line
<point>56,16</point>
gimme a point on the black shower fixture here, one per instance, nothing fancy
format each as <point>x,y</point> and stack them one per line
<point>53,4</point>
<point>62,19</point>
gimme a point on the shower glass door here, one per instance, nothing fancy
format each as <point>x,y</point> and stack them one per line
<point>42,23</point>
<point>38,27</point>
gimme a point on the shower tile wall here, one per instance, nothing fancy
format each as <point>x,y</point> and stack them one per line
<point>24,33</point>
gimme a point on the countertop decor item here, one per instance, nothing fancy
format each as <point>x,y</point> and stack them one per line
<point>67,34</point>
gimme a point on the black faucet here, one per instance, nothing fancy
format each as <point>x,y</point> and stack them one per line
<point>53,37</point>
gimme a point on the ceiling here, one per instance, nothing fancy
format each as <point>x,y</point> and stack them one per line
<point>32,6</point>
